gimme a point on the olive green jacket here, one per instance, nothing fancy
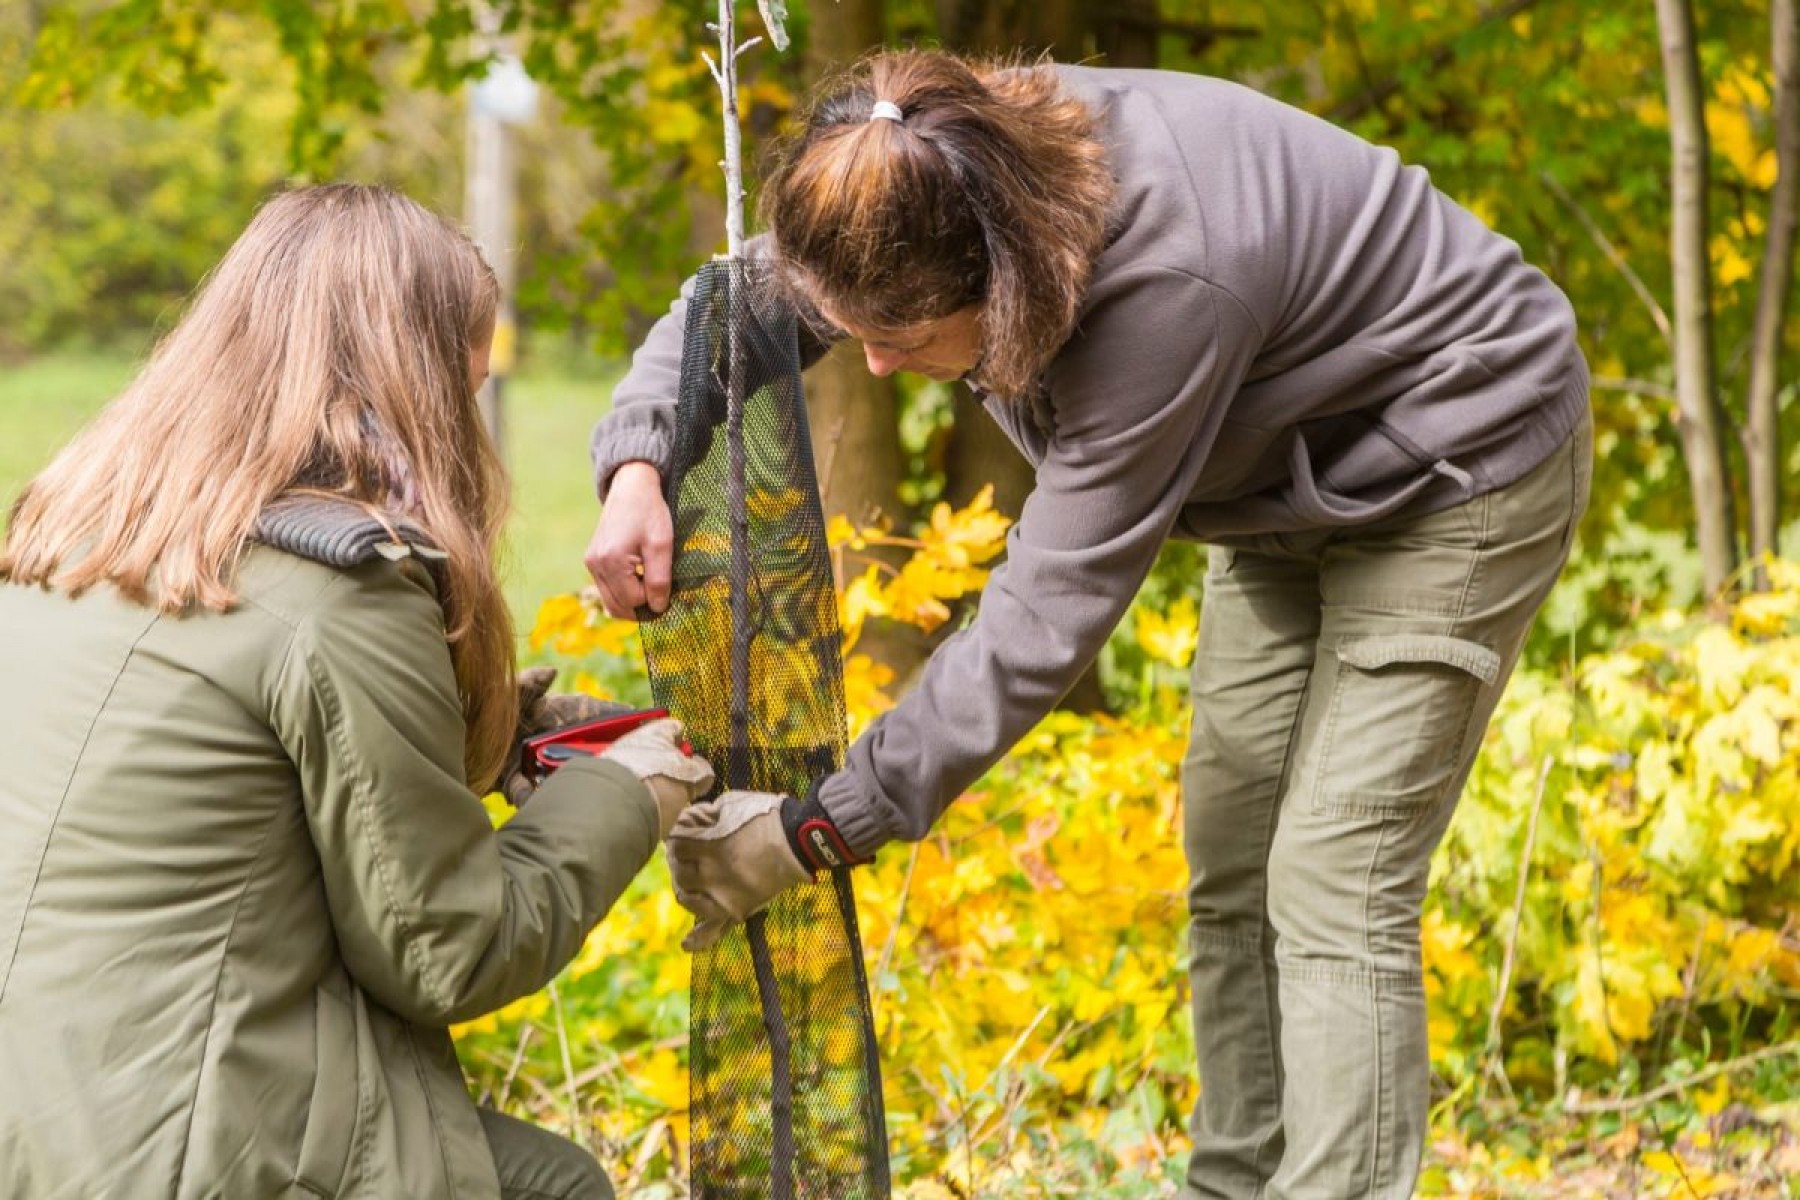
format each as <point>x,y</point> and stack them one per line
<point>244,889</point>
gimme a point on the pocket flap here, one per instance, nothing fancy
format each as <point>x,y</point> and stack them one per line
<point>1373,653</point>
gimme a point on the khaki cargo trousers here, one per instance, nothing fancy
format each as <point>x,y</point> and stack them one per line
<point>1342,685</point>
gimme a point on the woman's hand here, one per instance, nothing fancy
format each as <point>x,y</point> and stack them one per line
<point>729,858</point>
<point>632,550</point>
<point>675,778</point>
<point>540,711</point>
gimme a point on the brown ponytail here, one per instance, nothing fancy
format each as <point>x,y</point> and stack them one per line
<point>992,190</point>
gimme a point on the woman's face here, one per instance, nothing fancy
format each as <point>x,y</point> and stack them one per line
<point>945,349</point>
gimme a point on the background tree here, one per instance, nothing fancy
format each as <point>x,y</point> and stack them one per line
<point>1762,426</point>
<point>1695,379</point>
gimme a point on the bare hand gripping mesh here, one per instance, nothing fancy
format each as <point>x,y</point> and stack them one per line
<point>786,1086</point>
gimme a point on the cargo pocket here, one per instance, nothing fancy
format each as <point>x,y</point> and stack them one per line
<point>1399,724</point>
<point>336,1099</point>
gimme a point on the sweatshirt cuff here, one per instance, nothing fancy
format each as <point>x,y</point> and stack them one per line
<point>641,445</point>
<point>862,820</point>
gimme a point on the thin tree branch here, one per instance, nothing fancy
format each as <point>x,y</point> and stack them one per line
<point>1690,983</point>
<point>1586,1108</point>
<point>577,1119</point>
<point>1204,33</point>
<point>1491,1049</point>
<point>1614,256</point>
<point>512,1071</point>
<point>887,950</point>
<point>1636,387</point>
<point>640,1163</point>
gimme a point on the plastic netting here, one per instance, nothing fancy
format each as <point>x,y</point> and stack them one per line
<point>785,1082</point>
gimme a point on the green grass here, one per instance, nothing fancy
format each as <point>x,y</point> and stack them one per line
<point>547,419</point>
<point>548,415</point>
<point>46,400</point>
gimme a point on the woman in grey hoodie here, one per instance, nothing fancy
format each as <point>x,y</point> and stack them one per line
<point>1200,314</point>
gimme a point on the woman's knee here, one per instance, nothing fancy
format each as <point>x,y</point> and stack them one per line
<point>536,1164</point>
<point>1346,892</point>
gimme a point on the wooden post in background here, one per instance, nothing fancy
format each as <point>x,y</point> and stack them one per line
<point>505,96</point>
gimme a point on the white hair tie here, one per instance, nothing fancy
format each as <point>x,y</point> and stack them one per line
<point>886,110</point>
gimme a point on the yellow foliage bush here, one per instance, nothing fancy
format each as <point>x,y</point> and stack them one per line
<point>1663,871</point>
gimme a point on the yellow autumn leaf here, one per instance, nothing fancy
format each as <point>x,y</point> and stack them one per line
<point>573,626</point>
<point>863,598</point>
<point>865,690</point>
<point>673,122</point>
<point>1446,948</point>
<point>555,617</point>
<point>914,595</point>
<point>1710,1101</point>
<point>1732,123</point>
<point>969,535</point>
<point>1752,951</point>
<point>840,532</point>
<point>1767,614</point>
<point>1730,264</point>
<point>1172,637</point>
<point>1690,1177</point>
<point>664,1079</point>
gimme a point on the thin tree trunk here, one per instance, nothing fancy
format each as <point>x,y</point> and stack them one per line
<point>1127,33</point>
<point>979,452</point>
<point>1762,430</point>
<point>855,416</point>
<point>1703,445</point>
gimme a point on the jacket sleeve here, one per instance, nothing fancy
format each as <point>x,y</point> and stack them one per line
<point>1136,399</point>
<point>641,425</point>
<point>438,916</point>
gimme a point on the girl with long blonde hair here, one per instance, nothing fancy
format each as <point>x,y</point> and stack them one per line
<point>259,670</point>
<point>287,374</point>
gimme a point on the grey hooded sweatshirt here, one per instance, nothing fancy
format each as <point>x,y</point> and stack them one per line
<point>1288,329</point>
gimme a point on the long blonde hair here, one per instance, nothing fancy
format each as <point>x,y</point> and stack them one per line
<point>327,352</point>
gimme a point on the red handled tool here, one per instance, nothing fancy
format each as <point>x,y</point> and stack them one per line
<point>548,751</point>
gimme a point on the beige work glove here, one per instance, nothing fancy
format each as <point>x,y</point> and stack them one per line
<point>653,753</point>
<point>729,858</point>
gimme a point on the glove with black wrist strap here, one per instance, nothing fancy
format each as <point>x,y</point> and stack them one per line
<point>731,856</point>
<point>814,836</point>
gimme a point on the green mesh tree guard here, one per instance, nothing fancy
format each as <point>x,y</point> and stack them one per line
<point>786,1084</point>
